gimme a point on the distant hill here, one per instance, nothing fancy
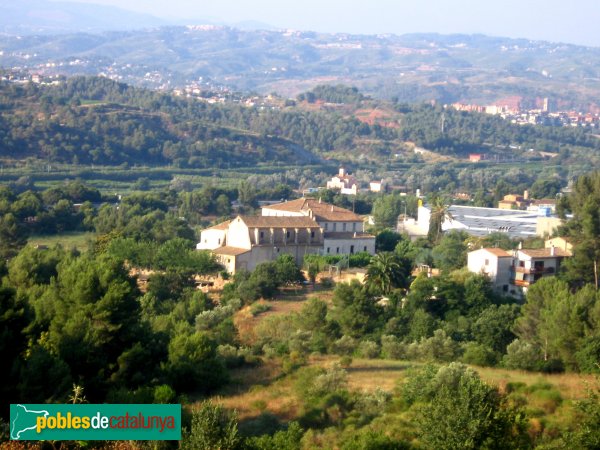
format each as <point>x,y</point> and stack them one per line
<point>98,121</point>
<point>43,16</point>
<point>415,67</point>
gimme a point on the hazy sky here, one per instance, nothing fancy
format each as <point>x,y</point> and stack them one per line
<point>554,20</point>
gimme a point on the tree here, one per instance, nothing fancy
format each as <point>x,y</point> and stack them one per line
<point>355,310</point>
<point>584,230</point>
<point>194,364</point>
<point>467,413</point>
<point>451,252</point>
<point>387,240</point>
<point>385,272</point>
<point>386,210</point>
<point>212,429</point>
<point>13,236</point>
<point>439,214</point>
<point>531,327</point>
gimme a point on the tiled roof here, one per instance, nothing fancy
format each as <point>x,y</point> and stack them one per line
<point>220,226</point>
<point>279,222</point>
<point>498,252</point>
<point>545,252</point>
<point>321,211</point>
<point>230,251</point>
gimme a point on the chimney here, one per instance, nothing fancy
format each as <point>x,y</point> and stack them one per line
<point>552,250</point>
<point>525,194</point>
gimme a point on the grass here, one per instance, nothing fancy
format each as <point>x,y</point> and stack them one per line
<point>79,240</point>
<point>547,398</point>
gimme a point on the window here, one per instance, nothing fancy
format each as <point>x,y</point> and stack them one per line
<point>487,262</point>
<point>365,248</point>
<point>337,250</point>
<point>344,226</point>
<point>326,226</point>
<point>219,241</point>
<point>287,234</point>
<point>334,226</point>
<point>352,249</point>
<point>354,226</point>
<point>505,288</point>
<point>262,234</point>
<point>312,234</point>
<point>328,249</point>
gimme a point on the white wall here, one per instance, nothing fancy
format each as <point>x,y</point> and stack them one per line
<point>344,245</point>
<point>211,239</point>
<point>238,235</point>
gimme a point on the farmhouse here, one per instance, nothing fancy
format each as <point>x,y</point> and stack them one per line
<point>297,227</point>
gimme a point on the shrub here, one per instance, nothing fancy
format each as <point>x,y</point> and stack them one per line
<point>259,308</point>
<point>164,394</point>
<point>368,349</point>
<point>479,355</point>
<point>344,345</point>
<point>392,348</point>
<point>521,355</point>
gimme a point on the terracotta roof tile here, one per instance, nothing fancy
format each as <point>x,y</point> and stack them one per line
<point>498,252</point>
<point>230,251</point>
<point>321,211</point>
<point>545,252</point>
<point>279,222</point>
<point>220,226</point>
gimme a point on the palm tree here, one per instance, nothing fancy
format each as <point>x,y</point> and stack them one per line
<point>385,273</point>
<point>439,214</point>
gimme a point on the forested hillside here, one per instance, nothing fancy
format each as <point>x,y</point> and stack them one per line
<point>98,121</point>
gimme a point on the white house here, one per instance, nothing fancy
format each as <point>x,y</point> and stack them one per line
<point>345,182</point>
<point>513,272</point>
<point>529,265</point>
<point>493,262</point>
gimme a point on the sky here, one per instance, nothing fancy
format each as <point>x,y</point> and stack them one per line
<point>551,20</point>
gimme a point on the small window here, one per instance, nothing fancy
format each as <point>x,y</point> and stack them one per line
<point>262,234</point>
<point>352,249</point>
<point>312,234</point>
<point>326,226</point>
<point>505,288</point>
<point>328,249</point>
<point>344,226</point>
<point>337,250</point>
<point>219,241</point>
<point>334,226</point>
<point>365,248</point>
<point>354,226</point>
<point>487,262</point>
<point>287,234</point>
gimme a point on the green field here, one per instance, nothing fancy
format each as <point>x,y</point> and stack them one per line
<point>79,240</point>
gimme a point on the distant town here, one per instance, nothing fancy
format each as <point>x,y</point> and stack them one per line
<point>547,113</point>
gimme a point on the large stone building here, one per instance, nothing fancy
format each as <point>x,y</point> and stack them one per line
<point>247,241</point>
<point>297,227</point>
<point>343,230</point>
